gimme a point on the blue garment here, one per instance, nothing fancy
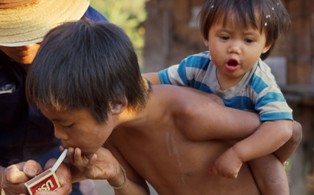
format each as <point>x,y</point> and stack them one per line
<point>94,15</point>
<point>24,132</point>
<point>257,91</point>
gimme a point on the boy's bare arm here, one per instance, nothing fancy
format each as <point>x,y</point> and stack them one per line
<point>104,166</point>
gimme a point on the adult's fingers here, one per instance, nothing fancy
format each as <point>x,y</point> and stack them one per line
<point>31,168</point>
<point>14,174</point>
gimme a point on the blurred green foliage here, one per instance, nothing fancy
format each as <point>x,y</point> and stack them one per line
<point>127,14</point>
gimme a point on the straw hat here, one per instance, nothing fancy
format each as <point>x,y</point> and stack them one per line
<point>24,22</point>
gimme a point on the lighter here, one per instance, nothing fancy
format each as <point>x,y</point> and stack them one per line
<point>47,180</point>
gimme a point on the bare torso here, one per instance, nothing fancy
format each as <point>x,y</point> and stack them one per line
<point>171,161</point>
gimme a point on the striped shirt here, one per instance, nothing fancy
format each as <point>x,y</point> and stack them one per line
<point>257,91</point>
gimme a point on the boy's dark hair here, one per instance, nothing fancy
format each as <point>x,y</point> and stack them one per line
<point>269,16</point>
<point>87,65</point>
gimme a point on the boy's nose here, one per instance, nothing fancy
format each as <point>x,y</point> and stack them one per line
<point>60,135</point>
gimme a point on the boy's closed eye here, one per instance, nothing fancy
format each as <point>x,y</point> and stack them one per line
<point>68,125</point>
<point>62,123</point>
<point>65,125</point>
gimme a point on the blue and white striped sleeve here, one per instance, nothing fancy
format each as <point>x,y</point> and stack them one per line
<point>175,74</point>
<point>270,101</point>
<point>185,73</point>
<point>273,106</point>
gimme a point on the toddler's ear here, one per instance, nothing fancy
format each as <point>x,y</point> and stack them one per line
<point>205,42</point>
<point>266,48</point>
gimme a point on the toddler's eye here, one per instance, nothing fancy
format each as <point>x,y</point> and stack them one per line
<point>224,37</point>
<point>248,40</point>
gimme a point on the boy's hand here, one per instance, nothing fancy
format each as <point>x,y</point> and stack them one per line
<point>14,176</point>
<point>101,165</point>
<point>227,165</point>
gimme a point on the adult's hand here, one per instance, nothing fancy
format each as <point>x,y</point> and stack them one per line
<point>14,176</point>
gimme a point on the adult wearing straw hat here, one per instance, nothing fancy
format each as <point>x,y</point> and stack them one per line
<point>25,134</point>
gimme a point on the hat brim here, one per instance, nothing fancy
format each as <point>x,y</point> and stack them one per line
<point>28,24</point>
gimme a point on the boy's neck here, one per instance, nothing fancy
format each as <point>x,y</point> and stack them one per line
<point>131,115</point>
<point>131,118</point>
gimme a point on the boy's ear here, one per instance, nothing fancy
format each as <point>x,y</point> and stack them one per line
<point>118,107</point>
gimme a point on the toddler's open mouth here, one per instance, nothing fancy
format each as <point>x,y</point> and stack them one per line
<point>232,62</point>
<point>232,65</point>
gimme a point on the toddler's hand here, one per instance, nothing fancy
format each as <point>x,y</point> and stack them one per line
<point>227,165</point>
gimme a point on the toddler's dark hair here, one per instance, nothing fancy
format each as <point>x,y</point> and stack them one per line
<point>269,16</point>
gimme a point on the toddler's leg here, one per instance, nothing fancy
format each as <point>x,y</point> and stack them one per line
<point>270,175</point>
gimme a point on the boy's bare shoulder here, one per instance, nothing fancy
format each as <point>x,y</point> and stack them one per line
<point>182,103</point>
<point>180,96</point>
<point>173,95</point>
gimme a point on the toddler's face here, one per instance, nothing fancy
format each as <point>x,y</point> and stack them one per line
<point>78,128</point>
<point>234,49</point>
<point>22,54</point>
